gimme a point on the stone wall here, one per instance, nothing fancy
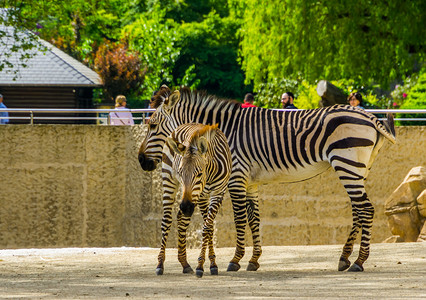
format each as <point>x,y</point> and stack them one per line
<point>82,186</point>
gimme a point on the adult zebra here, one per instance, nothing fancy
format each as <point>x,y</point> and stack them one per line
<point>199,157</point>
<point>283,146</point>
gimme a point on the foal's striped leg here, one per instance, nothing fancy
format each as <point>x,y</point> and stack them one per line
<point>182,225</point>
<point>209,214</point>
<point>204,205</point>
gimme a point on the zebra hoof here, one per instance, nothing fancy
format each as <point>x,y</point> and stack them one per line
<point>253,266</point>
<point>159,271</point>
<point>214,271</point>
<point>199,273</point>
<point>344,263</point>
<point>188,270</point>
<point>356,268</point>
<point>233,267</point>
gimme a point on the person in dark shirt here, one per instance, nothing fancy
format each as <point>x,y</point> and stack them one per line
<point>287,100</point>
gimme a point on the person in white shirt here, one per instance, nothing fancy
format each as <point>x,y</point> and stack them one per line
<point>121,116</point>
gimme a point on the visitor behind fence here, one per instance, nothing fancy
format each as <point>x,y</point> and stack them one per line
<point>121,117</point>
<point>3,114</point>
<point>355,99</point>
<point>248,101</point>
<point>287,100</point>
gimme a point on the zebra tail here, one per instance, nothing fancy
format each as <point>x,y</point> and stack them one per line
<point>389,130</point>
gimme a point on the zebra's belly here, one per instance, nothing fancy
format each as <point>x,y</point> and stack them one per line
<point>260,175</point>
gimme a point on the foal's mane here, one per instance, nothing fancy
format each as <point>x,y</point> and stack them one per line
<point>185,93</point>
<point>203,130</point>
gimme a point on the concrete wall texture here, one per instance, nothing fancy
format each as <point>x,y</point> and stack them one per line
<point>82,186</point>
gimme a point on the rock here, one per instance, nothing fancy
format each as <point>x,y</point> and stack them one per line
<point>393,239</point>
<point>406,208</point>
<point>421,202</point>
<point>330,94</point>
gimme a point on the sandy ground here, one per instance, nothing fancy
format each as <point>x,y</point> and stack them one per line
<point>393,271</point>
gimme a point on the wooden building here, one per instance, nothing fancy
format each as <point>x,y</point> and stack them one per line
<point>52,79</point>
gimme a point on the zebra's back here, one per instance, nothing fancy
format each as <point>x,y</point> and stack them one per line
<point>290,146</point>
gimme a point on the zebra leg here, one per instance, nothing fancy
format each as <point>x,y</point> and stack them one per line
<point>215,203</point>
<point>351,166</point>
<point>183,223</point>
<point>365,211</point>
<point>252,207</point>
<point>165,229</point>
<point>237,190</point>
<point>169,186</point>
<point>344,262</point>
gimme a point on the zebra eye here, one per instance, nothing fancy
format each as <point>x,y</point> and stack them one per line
<point>152,126</point>
<point>181,147</point>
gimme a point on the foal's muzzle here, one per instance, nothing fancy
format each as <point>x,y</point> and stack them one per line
<point>187,208</point>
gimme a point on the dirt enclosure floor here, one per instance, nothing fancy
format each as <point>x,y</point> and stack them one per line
<point>393,271</point>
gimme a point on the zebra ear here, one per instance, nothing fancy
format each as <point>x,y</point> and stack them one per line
<point>173,145</point>
<point>213,130</point>
<point>172,99</point>
<point>202,145</point>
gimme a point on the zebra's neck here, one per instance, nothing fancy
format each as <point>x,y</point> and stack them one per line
<point>207,109</point>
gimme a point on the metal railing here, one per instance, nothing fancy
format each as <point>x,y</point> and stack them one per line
<point>102,116</point>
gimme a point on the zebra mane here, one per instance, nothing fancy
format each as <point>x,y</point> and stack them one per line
<point>160,96</point>
<point>202,131</point>
<point>200,96</point>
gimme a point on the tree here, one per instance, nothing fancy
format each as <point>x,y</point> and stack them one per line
<point>303,39</point>
<point>211,46</point>
<point>154,36</point>
<point>121,71</point>
<point>15,36</point>
<point>74,26</point>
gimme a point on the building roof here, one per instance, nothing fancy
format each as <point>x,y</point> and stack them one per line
<point>52,67</point>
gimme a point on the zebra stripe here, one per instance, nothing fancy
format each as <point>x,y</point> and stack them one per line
<point>198,156</point>
<point>279,146</point>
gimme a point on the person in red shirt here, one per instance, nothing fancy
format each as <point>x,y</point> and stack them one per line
<point>248,101</point>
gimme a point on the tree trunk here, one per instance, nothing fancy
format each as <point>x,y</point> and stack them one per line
<point>330,94</point>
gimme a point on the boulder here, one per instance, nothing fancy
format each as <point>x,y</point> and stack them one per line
<point>330,94</point>
<point>406,208</point>
<point>421,205</point>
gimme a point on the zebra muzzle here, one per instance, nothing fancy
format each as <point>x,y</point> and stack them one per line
<point>187,208</point>
<point>146,163</point>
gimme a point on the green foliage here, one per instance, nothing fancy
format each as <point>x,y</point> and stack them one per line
<point>211,47</point>
<point>192,11</point>
<point>209,44</point>
<point>360,40</point>
<point>307,96</point>
<point>399,94</point>
<point>14,28</point>
<point>416,99</point>
<point>269,95</point>
<point>189,79</point>
<point>154,37</point>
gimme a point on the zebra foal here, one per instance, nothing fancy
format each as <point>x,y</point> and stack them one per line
<point>279,146</point>
<point>198,157</point>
